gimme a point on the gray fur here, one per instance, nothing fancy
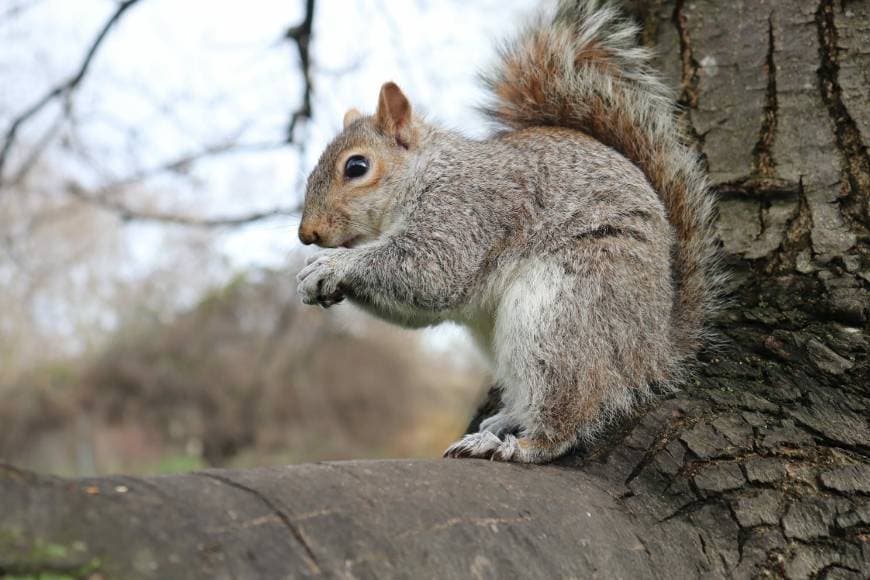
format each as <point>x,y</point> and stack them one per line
<point>552,248</point>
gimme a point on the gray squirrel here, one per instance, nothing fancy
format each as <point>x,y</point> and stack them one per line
<point>575,244</point>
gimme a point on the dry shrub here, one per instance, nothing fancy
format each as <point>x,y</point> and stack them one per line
<point>251,376</point>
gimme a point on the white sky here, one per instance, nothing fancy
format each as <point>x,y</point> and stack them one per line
<point>177,76</point>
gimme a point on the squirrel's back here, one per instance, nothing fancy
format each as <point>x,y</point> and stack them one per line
<point>583,70</point>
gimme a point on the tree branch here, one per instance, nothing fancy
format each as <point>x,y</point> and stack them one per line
<point>65,88</point>
<point>129,214</point>
<point>183,162</point>
<point>350,519</point>
<point>301,36</point>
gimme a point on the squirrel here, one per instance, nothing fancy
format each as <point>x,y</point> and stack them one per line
<point>575,244</point>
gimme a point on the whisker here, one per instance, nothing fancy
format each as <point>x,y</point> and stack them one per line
<point>274,224</point>
<point>366,228</point>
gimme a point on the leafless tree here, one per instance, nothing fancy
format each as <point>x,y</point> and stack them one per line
<point>108,197</point>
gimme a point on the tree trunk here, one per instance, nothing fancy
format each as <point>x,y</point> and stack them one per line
<point>760,466</point>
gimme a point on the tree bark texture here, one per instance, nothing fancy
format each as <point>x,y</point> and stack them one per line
<point>759,467</point>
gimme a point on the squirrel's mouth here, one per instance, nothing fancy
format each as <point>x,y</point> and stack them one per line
<point>351,242</point>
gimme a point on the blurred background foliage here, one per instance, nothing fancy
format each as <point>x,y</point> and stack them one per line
<point>247,376</point>
<point>152,161</point>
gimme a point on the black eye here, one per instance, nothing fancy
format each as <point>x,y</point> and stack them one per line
<point>356,166</point>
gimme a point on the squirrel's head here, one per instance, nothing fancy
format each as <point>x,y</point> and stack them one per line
<point>349,193</point>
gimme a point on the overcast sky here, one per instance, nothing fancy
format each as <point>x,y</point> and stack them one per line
<point>175,77</point>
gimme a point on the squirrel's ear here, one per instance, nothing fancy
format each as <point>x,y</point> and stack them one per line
<point>351,116</point>
<point>393,116</point>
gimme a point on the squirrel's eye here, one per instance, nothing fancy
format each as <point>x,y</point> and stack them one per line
<point>356,166</point>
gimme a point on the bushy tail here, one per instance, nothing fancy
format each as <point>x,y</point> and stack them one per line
<point>584,70</point>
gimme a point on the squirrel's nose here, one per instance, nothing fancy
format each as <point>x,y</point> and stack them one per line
<point>308,235</point>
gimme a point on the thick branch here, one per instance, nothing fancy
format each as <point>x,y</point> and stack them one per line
<point>411,519</point>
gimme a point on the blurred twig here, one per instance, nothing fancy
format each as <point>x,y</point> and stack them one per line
<point>183,163</point>
<point>36,152</point>
<point>301,36</point>
<point>104,197</point>
<point>126,213</point>
<point>65,88</point>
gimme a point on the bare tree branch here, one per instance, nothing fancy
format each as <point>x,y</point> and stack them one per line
<point>301,36</point>
<point>130,214</point>
<point>36,152</point>
<point>184,162</point>
<point>104,198</point>
<point>65,88</point>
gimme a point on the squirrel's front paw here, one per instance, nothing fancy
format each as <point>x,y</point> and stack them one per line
<point>318,282</point>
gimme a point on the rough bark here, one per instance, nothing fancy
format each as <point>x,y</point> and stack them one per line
<point>760,466</point>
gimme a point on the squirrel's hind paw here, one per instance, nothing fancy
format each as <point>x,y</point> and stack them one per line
<point>486,445</point>
<point>483,445</point>
<point>500,424</point>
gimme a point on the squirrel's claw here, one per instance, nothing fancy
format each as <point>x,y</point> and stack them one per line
<point>318,282</point>
<point>485,445</point>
